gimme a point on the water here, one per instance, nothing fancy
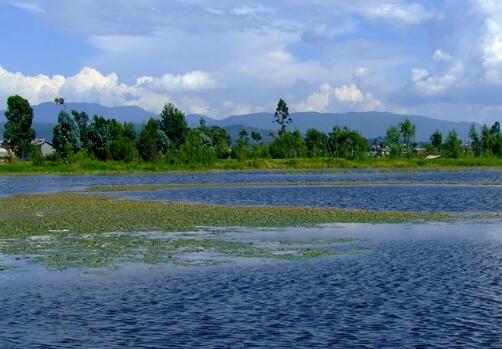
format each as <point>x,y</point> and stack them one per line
<point>17,185</point>
<point>432,285</point>
<point>414,198</point>
<point>410,286</point>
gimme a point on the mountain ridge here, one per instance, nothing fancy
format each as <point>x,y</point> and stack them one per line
<point>370,124</point>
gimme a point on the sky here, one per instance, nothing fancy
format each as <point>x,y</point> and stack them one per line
<point>437,58</point>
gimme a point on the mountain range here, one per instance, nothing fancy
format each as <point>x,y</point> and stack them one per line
<point>370,124</point>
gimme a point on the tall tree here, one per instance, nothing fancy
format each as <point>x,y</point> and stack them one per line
<point>408,130</point>
<point>316,143</point>
<point>82,120</point>
<point>392,136</point>
<point>436,139</point>
<point>130,131</point>
<point>152,141</point>
<point>475,140</point>
<point>453,145</point>
<point>348,144</point>
<point>99,137</point>
<point>173,123</point>
<point>66,135</point>
<point>281,115</point>
<point>18,130</point>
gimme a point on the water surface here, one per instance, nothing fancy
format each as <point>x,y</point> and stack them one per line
<point>410,286</point>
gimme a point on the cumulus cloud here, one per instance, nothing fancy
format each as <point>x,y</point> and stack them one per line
<point>191,81</point>
<point>339,98</point>
<point>492,39</point>
<point>90,85</point>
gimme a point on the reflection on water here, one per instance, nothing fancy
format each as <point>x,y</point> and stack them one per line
<point>433,285</point>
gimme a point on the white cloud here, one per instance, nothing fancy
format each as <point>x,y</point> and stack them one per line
<point>492,50</point>
<point>340,98</point>
<point>249,10</point>
<point>231,108</point>
<point>392,11</point>
<point>191,81</point>
<point>429,84</point>
<point>32,7</point>
<point>90,85</point>
<point>361,72</point>
<point>440,56</point>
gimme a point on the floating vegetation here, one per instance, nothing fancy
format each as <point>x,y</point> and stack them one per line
<point>69,250</point>
<point>64,231</point>
<point>62,213</point>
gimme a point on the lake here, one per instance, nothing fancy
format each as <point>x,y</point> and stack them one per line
<point>407,285</point>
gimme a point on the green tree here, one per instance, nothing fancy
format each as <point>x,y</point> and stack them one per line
<point>475,140</point>
<point>99,137</point>
<point>436,139</point>
<point>408,131</point>
<point>66,136</point>
<point>220,140</point>
<point>316,143</point>
<point>242,149</point>
<point>18,131</point>
<point>172,122</point>
<point>287,145</point>
<point>392,136</point>
<point>393,141</point>
<point>281,115</point>
<point>122,148</point>
<point>348,144</point>
<point>197,148</point>
<point>82,120</point>
<point>453,146</point>
<point>130,131</point>
<point>256,136</point>
<point>152,141</point>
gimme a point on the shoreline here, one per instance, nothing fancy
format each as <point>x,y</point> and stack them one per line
<point>92,167</point>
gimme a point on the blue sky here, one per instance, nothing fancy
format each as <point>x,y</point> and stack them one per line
<point>440,58</point>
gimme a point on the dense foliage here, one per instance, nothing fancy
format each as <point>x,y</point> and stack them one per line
<point>18,131</point>
<point>167,139</point>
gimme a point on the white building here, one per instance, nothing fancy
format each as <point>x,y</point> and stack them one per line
<point>45,147</point>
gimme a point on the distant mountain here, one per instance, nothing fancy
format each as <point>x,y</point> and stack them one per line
<point>370,124</point>
<point>42,130</point>
<point>48,112</point>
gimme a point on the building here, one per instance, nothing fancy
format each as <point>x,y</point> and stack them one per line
<point>5,153</point>
<point>45,147</point>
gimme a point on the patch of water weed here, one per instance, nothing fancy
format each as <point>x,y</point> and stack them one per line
<point>59,213</point>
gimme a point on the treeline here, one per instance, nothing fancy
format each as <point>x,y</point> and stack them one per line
<point>167,138</point>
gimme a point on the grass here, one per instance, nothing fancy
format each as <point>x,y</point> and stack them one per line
<point>89,166</point>
<point>64,231</point>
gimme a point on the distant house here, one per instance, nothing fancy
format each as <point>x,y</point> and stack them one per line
<point>5,153</point>
<point>45,147</point>
<point>417,151</point>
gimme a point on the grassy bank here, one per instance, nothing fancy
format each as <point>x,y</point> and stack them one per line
<point>89,166</point>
